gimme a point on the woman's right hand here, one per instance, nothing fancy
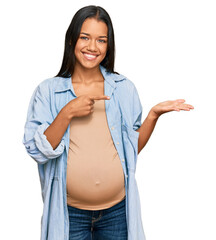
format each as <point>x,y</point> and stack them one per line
<point>82,105</point>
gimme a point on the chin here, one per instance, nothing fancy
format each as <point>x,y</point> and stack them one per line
<point>90,65</point>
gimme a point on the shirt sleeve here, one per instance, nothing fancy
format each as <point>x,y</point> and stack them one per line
<point>39,118</point>
<point>137,110</point>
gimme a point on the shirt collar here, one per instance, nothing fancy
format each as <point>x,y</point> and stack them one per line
<point>65,84</point>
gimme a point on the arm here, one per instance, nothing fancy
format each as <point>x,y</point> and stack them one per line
<point>39,118</point>
<point>146,130</point>
<point>43,133</point>
<point>56,130</point>
<point>148,125</point>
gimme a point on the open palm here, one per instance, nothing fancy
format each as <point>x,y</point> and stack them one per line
<point>169,106</point>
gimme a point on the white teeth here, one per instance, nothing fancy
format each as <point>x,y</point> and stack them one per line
<point>89,55</point>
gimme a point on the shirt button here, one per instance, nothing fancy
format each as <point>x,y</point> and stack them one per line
<point>117,143</point>
<point>112,128</point>
<point>122,159</point>
<point>126,176</point>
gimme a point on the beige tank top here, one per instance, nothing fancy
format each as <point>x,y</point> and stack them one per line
<point>95,178</point>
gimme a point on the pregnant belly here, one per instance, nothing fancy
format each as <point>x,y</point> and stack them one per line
<point>95,183</point>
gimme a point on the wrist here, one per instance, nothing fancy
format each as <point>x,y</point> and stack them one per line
<point>152,115</point>
<point>66,114</point>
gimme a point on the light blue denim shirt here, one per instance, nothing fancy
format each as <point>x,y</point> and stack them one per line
<point>123,112</point>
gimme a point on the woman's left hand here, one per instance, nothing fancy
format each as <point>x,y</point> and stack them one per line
<point>169,106</point>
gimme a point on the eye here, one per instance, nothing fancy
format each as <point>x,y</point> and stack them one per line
<point>101,41</point>
<point>84,38</point>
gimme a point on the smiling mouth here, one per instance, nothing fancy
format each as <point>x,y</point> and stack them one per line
<point>90,56</point>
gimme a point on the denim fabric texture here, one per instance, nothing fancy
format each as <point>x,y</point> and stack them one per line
<point>105,224</point>
<point>124,113</point>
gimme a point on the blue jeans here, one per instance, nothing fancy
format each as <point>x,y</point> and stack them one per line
<point>105,224</point>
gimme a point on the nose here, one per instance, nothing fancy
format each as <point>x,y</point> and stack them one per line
<point>92,46</point>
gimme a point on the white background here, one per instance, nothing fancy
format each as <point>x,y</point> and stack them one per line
<point>167,48</point>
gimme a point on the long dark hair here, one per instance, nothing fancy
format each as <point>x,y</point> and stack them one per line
<point>72,36</point>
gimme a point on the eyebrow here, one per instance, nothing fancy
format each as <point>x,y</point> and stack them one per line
<point>89,35</point>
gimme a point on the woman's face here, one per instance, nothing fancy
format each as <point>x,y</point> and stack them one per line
<point>91,46</point>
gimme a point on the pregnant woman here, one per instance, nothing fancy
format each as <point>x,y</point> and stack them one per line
<point>84,130</point>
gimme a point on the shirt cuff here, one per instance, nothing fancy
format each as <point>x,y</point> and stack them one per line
<point>44,145</point>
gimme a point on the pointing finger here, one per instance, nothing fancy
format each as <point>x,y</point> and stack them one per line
<point>103,97</point>
<point>180,100</point>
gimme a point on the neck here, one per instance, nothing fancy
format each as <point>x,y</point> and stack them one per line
<point>86,76</point>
